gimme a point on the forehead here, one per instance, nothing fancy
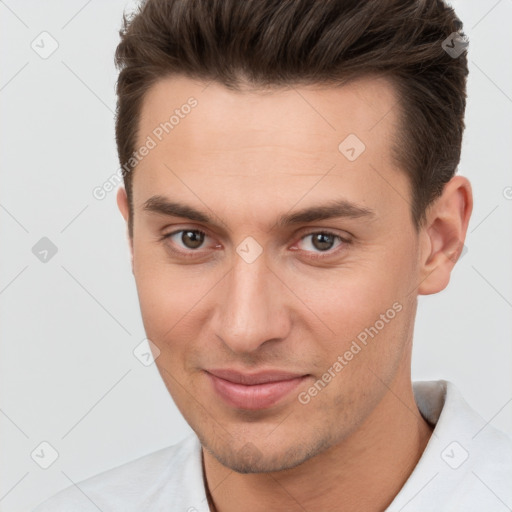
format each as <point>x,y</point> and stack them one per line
<point>282,141</point>
<point>255,116</point>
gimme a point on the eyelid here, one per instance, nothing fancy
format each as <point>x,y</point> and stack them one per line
<point>345,240</point>
<point>328,231</point>
<point>181,230</point>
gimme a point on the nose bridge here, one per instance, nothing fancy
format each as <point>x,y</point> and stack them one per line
<point>251,311</point>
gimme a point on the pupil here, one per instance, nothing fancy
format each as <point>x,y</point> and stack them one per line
<point>322,241</point>
<point>194,240</point>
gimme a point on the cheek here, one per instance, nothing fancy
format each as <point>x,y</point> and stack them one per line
<point>367,309</point>
<point>176,302</point>
<point>167,306</point>
<point>164,294</point>
<point>335,303</point>
<point>352,297</point>
<point>358,367</point>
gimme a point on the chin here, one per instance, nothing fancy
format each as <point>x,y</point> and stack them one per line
<point>271,458</point>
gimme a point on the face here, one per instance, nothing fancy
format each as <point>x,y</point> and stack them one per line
<point>283,306</point>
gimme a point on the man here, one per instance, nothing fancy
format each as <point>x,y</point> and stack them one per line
<point>290,189</point>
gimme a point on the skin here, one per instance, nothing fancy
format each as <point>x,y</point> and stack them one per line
<point>245,158</point>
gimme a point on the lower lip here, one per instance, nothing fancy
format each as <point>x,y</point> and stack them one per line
<point>256,396</point>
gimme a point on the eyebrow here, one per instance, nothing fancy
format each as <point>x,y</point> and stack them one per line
<point>340,208</point>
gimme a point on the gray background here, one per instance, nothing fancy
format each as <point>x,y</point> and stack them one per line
<point>69,326</point>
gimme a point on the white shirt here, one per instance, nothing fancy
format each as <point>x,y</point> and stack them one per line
<point>466,466</point>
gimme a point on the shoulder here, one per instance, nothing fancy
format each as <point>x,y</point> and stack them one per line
<point>467,463</point>
<point>172,475</point>
<point>476,458</point>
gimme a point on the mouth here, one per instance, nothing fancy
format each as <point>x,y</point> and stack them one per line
<point>253,391</point>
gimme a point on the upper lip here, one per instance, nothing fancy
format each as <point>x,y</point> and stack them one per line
<point>260,377</point>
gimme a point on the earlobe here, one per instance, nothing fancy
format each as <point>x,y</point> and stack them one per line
<point>444,234</point>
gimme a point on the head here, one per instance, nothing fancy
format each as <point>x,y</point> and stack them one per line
<point>290,189</point>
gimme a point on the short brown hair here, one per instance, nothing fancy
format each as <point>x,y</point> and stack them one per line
<point>277,43</point>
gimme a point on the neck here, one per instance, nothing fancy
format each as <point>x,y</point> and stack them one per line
<point>363,472</point>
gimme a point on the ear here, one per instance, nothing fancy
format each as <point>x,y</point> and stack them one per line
<point>124,208</point>
<point>443,235</point>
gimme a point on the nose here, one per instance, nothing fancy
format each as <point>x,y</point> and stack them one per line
<point>252,307</point>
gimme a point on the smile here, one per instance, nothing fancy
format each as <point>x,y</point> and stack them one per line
<point>253,392</point>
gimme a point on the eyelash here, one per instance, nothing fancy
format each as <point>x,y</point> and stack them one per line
<point>193,253</point>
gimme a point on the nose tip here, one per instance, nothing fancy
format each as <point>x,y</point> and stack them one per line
<point>250,312</point>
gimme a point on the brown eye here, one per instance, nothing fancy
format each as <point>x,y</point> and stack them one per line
<point>322,241</point>
<point>192,239</point>
<point>186,238</point>
<point>318,245</point>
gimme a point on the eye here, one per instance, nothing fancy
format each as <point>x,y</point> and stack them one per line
<point>322,242</point>
<point>188,238</point>
<point>188,243</point>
